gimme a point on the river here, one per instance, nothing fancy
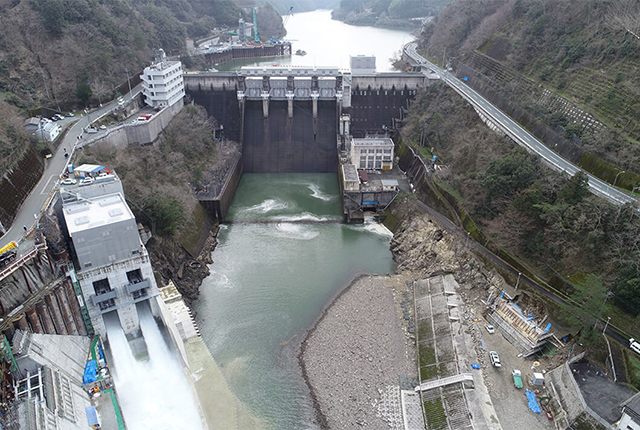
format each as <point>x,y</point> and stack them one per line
<point>330,43</point>
<point>286,254</point>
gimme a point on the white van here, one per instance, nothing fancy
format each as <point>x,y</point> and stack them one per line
<point>635,346</point>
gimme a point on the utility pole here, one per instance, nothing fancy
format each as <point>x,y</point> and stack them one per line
<point>518,281</point>
<point>128,80</point>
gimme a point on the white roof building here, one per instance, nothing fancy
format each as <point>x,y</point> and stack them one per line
<point>46,131</point>
<point>162,83</point>
<point>113,266</point>
<point>372,153</point>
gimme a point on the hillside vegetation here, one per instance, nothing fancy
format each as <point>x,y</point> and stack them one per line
<point>386,13</point>
<point>51,51</point>
<point>587,52</point>
<point>161,178</point>
<point>549,221</point>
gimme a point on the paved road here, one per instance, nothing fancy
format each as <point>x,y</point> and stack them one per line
<point>53,168</point>
<point>516,132</point>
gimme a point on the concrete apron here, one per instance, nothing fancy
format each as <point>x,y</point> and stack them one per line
<point>219,408</point>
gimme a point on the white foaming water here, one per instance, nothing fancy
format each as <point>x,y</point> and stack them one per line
<point>268,206</point>
<point>305,216</point>
<point>318,194</point>
<point>295,231</point>
<point>372,226</point>
<point>153,394</point>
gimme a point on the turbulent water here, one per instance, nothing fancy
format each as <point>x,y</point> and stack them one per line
<point>152,390</point>
<point>270,281</point>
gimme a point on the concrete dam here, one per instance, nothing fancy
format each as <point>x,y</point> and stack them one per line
<point>290,119</point>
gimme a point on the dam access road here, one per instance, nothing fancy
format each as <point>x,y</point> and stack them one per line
<point>516,131</point>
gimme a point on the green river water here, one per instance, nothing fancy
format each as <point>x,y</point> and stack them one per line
<point>270,281</point>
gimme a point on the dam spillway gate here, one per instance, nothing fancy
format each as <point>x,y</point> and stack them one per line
<point>298,119</point>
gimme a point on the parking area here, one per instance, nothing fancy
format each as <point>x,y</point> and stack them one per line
<point>601,394</point>
<point>510,403</point>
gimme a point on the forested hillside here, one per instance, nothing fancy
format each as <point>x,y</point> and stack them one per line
<point>387,13</point>
<point>51,49</point>
<point>573,65</point>
<point>550,222</point>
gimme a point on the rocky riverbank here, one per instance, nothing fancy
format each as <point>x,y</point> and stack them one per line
<point>363,345</point>
<point>171,261</point>
<point>353,357</point>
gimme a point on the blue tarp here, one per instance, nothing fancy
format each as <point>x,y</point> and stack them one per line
<point>90,372</point>
<point>92,415</point>
<point>548,327</point>
<point>101,352</point>
<point>533,403</point>
<point>475,366</point>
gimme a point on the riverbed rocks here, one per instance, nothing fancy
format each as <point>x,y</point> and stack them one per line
<point>356,353</point>
<point>364,343</point>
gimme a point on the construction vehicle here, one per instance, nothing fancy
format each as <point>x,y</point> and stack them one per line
<point>8,253</point>
<point>517,378</point>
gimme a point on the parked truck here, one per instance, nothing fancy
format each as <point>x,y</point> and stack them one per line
<point>517,378</point>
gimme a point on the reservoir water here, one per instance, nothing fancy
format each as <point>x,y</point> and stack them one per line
<point>330,43</point>
<point>274,270</point>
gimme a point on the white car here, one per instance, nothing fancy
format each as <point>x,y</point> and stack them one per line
<point>490,329</point>
<point>68,181</point>
<point>495,359</point>
<point>103,127</point>
<point>59,116</point>
<point>87,181</point>
<point>70,114</point>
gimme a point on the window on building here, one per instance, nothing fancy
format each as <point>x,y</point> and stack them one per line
<point>378,164</point>
<point>102,286</point>
<point>386,158</point>
<point>371,151</point>
<point>379,151</point>
<point>387,151</point>
<point>363,164</point>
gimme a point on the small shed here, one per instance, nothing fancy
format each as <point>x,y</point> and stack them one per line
<point>537,378</point>
<point>389,184</point>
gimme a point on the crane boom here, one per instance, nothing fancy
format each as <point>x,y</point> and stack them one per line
<point>286,18</point>
<point>255,27</point>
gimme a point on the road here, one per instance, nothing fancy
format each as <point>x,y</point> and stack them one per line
<point>53,168</point>
<point>517,133</point>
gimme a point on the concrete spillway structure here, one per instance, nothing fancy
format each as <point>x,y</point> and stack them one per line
<point>374,102</point>
<point>297,119</point>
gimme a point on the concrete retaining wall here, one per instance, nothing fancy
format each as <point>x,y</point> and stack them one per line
<point>17,183</point>
<point>139,133</point>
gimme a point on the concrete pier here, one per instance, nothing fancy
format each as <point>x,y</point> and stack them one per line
<point>66,311</point>
<point>75,308</point>
<point>50,300</point>
<point>45,317</point>
<point>34,321</point>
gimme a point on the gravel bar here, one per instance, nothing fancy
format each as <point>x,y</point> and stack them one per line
<point>357,350</point>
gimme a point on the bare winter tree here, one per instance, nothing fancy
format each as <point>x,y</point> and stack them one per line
<point>100,88</point>
<point>625,14</point>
